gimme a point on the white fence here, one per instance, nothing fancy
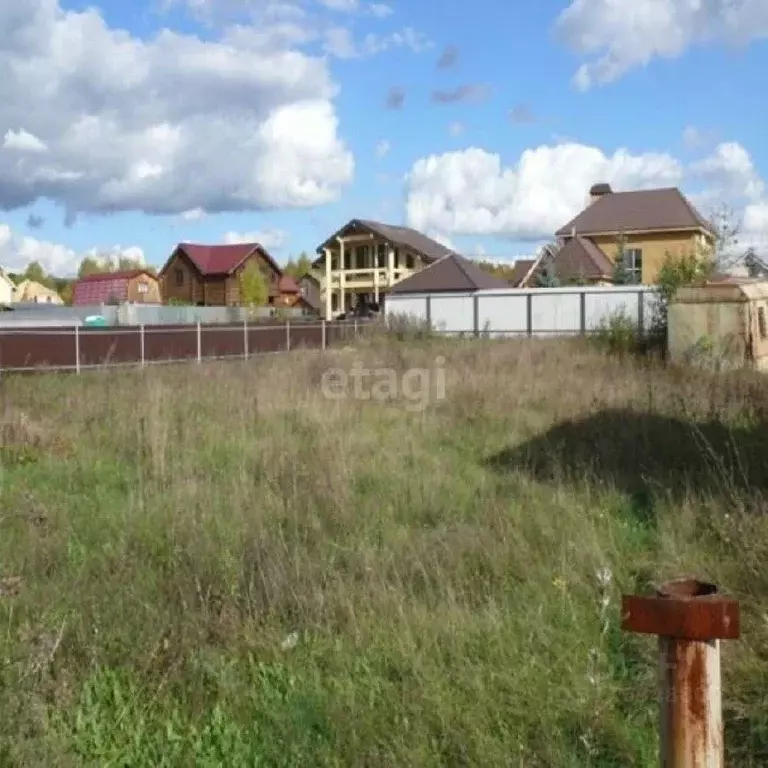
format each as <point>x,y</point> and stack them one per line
<point>529,311</point>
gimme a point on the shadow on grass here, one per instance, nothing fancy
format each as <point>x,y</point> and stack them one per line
<point>645,456</point>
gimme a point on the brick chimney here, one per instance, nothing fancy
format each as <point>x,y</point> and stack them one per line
<point>597,191</point>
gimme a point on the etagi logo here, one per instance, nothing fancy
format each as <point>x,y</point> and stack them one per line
<point>418,387</point>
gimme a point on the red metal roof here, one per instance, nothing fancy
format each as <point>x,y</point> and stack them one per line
<point>105,287</point>
<point>223,259</point>
<point>287,284</point>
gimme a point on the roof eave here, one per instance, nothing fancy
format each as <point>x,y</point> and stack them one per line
<point>616,232</point>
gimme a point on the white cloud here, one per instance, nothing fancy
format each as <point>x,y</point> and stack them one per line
<point>624,35</point>
<point>23,141</point>
<point>339,42</point>
<point>269,238</point>
<point>166,124</point>
<point>383,148</point>
<point>470,192</point>
<point>380,10</point>
<point>193,214</point>
<point>18,251</point>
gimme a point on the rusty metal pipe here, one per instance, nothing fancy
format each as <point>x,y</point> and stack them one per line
<point>690,617</point>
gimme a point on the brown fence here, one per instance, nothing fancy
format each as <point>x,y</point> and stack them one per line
<point>77,348</point>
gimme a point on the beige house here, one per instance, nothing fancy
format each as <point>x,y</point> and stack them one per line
<point>652,223</point>
<point>30,290</point>
<point>364,259</point>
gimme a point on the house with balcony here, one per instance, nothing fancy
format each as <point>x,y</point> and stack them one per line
<point>364,259</point>
<point>651,224</point>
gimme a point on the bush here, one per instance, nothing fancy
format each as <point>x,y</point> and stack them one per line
<point>674,273</point>
<point>618,334</point>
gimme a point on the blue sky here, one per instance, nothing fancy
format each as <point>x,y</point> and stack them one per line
<point>204,120</point>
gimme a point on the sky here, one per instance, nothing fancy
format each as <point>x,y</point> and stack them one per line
<point>126,128</point>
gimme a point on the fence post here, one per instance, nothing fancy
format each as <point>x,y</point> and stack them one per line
<point>690,618</point>
<point>429,311</point>
<point>476,315</point>
<point>529,314</point>
<point>77,348</point>
<point>583,312</point>
<point>141,343</point>
<point>287,335</point>
<point>354,330</point>
<point>641,312</point>
<point>199,344</point>
<point>245,339</point>
<point>323,340</point>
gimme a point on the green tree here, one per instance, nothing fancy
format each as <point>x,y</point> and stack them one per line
<point>67,293</point>
<point>35,272</point>
<point>253,287</point>
<point>547,276</point>
<point>674,273</point>
<point>91,265</point>
<point>299,267</point>
<point>621,273</point>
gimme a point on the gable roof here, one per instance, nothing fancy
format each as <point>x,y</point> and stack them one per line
<point>220,260</point>
<point>749,257</point>
<point>124,274</point>
<point>29,290</point>
<point>430,250</point>
<point>580,257</point>
<point>105,286</point>
<point>451,273</point>
<point>520,271</point>
<point>638,210</point>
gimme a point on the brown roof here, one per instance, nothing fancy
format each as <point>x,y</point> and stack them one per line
<point>451,273</point>
<point>636,211</point>
<point>520,271</point>
<point>580,257</point>
<point>212,260</point>
<point>430,250</point>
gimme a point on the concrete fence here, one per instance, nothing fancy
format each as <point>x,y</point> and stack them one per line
<point>78,348</point>
<point>532,311</point>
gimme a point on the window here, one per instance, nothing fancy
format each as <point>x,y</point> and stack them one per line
<point>634,260</point>
<point>410,261</point>
<point>381,255</point>
<point>143,288</point>
<point>762,327</point>
<point>179,277</point>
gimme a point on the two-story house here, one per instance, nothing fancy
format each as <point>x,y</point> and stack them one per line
<point>650,223</point>
<point>363,260</point>
<point>209,275</point>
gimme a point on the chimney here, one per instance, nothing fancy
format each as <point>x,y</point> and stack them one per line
<point>597,191</point>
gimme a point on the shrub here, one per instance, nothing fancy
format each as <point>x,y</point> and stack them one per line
<point>618,334</point>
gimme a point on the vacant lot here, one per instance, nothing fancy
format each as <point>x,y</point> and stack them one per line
<point>214,565</point>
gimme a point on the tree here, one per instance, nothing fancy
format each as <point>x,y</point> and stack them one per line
<point>253,287</point>
<point>67,293</point>
<point>91,265</point>
<point>300,267</point>
<point>621,273</point>
<point>547,276</point>
<point>726,228</point>
<point>35,272</point>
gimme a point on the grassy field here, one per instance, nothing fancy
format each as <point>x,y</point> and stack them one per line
<point>214,565</point>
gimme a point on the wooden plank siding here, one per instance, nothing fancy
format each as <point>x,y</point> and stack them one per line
<point>182,281</point>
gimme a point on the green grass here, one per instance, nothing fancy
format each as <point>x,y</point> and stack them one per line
<point>212,565</point>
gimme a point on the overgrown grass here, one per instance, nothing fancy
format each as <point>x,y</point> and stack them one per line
<point>213,565</point>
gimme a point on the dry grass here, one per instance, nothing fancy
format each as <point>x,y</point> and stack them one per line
<point>228,569</point>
